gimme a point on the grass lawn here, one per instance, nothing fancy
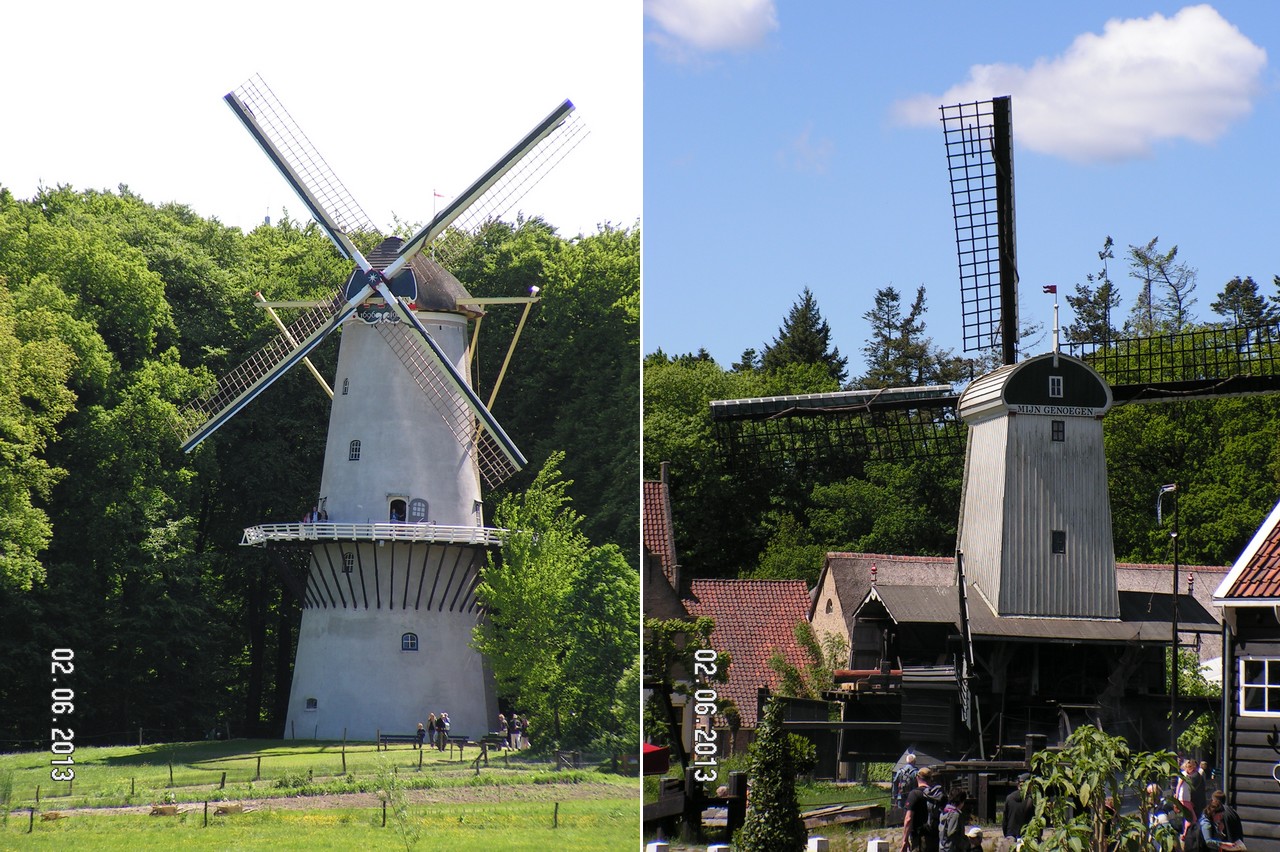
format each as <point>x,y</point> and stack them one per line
<point>584,826</point>
<point>132,775</point>
<point>305,800</point>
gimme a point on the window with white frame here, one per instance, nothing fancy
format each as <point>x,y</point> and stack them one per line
<point>409,642</point>
<point>1055,387</point>
<point>1259,686</point>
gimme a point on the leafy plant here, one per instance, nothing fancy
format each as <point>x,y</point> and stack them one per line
<point>1074,791</point>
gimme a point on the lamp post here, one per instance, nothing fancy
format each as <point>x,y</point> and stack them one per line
<point>1173,661</point>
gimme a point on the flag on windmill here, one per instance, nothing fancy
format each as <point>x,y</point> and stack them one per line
<point>1051,288</point>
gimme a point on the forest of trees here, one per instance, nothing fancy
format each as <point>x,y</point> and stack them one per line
<point>113,312</point>
<point>779,523</point>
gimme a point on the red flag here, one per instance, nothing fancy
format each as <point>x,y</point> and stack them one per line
<point>1051,288</point>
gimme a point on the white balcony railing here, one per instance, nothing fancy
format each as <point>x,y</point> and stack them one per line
<point>330,531</point>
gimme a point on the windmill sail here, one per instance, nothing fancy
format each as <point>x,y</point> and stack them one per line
<point>496,455</point>
<point>292,153</point>
<point>980,162</point>
<point>502,185</point>
<point>236,389</point>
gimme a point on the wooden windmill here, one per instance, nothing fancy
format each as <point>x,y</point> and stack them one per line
<point>1035,561</point>
<point>387,570</point>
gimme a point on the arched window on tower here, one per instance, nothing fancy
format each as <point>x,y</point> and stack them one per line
<point>417,511</point>
<point>396,511</point>
<point>346,383</point>
<point>353,451</point>
<point>409,642</point>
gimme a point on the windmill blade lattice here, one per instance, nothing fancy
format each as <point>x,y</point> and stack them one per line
<point>980,162</point>
<point>327,199</point>
<point>236,389</point>
<point>497,462</point>
<point>499,189</point>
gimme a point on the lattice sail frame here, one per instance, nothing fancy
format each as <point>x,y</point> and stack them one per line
<point>334,206</point>
<point>495,466</point>
<point>978,138</point>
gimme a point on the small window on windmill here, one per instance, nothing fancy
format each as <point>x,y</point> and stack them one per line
<point>829,606</point>
<point>477,509</point>
<point>353,451</point>
<point>1059,541</point>
<point>346,384</point>
<point>417,511</point>
<point>312,704</point>
<point>348,562</point>
<point>409,642</point>
<point>1055,387</point>
<point>1059,430</point>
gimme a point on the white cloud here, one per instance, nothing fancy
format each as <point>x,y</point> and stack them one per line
<point>1113,96</point>
<point>708,26</point>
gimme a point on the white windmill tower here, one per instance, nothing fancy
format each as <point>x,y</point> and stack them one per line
<point>387,575</point>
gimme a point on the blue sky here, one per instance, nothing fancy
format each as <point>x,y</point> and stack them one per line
<point>791,144</point>
<point>401,99</point>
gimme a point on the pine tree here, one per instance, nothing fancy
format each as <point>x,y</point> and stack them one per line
<point>1094,305</point>
<point>773,821</point>
<point>1152,313</point>
<point>898,354</point>
<point>805,338</point>
<point>1240,303</point>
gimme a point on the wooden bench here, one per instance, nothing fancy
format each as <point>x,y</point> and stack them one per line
<point>458,740</point>
<point>385,740</point>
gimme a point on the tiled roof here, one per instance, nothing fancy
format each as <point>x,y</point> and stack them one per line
<point>655,527</point>
<point>851,574</point>
<point>1256,574</point>
<point>753,617</point>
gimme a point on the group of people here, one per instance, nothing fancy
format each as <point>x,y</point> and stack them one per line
<point>933,821</point>
<point>315,516</point>
<point>1208,822</point>
<point>514,731</point>
<point>435,731</point>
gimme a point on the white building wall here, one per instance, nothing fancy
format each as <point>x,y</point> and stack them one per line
<point>349,660</point>
<point>350,656</point>
<point>1057,485</point>
<point>982,518</point>
<point>406,448</point>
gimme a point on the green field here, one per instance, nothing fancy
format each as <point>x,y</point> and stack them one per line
<point>303,799</point>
